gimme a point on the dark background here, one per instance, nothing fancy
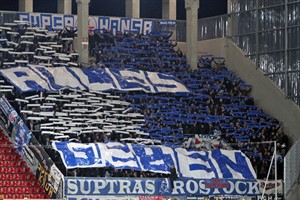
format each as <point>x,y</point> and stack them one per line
<point>149,8</point>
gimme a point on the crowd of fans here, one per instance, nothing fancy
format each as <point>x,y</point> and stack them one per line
<point>22,45</point>
<point>218,105</point>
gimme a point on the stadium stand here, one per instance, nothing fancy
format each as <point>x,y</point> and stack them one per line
<point>16,179</point>
<point>21,45</point>
<point>219,105</point>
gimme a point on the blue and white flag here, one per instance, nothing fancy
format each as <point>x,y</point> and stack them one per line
<point>195,164</point>
<point>29,79</point>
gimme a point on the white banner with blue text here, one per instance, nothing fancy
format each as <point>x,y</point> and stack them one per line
<point>114,24</point>
<point>94,187</point>
<point>40,78</point>
<point>157,158</point>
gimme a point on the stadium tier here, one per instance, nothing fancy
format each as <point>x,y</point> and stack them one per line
<point>138,89</point>
<point>16,179</point>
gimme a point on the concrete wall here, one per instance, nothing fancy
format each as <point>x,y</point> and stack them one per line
<point>266,94</point>
<point>294,193</point>
<point>214,46</point>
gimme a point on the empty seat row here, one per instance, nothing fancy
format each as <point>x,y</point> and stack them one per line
<point>10,157</point>
<point>14,170</point>
<point>12,163</point>
<point>22,196</point>
<point>20,190</point>
<point>15,176</point>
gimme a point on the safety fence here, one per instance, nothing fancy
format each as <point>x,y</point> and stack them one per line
<point>268,33</point>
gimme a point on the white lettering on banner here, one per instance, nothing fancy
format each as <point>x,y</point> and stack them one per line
<point>147,27</point>
<point>150,187</point>
<point>124,187</point>
<point>72,186</point>
<point>192,187</point>
<point>125,24</point>
<point>138,188</point>
<point>115,24</point>
<point>237,187</point>
<point>136,25</point>
<point>230,189</point>
<point>99,185</point>
<point>111,184</point>
<point>83,186</point>
<point>111,197</point>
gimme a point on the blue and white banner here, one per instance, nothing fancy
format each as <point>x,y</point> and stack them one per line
<point>23,136</point>
<point>34,79</point>
<point>114,24</point>
<point>166,22</point>
<point>92,187</point>
<point>20,132</point>
<point>9,112</point>
<point>193,164</point>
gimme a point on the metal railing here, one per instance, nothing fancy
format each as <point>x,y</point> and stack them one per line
<point>268,33</point>
<point>7,17</point>
<point>212,27</point>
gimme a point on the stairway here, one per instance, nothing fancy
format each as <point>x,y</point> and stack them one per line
<point>16,179</point>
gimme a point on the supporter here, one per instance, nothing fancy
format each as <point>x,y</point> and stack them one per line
<point>179,53</point>
<point>219,103</point>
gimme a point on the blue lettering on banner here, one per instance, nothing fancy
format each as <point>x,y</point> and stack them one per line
<point>115,24</point>
<point>69,21</point>
<point>91,187</point>
<point>104,23</point>
<point>158,159</point>
<point>57,22</point>
<point>24,17</point>
<point>46,20</point>
<point>125,24</point>
<point>27,79</point>
<point>35,20</point>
